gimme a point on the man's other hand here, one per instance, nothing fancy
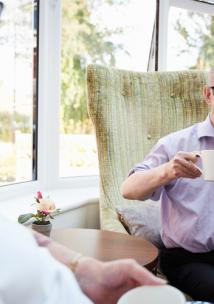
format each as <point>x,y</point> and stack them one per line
<point>107,282</point>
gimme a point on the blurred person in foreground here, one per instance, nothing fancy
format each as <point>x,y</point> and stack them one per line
<point>36,270</point>
<point>169,173</point>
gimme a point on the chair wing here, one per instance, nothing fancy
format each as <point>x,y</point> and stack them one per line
<point>130,112</point>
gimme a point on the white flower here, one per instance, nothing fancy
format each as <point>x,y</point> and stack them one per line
<point>46,205</point>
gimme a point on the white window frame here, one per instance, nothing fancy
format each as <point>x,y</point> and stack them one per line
<point>49,96</point>
<point>164,7</point>
<point>48,111</point>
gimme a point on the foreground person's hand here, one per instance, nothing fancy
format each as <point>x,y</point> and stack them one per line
<point>106,282</point>
<point>101,282</point>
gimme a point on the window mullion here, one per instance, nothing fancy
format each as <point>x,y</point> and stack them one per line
<point>163,30</point>
<point>49,92</point>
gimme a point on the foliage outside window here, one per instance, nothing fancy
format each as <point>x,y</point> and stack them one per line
<point>115,33</point>
<point>190,40</point>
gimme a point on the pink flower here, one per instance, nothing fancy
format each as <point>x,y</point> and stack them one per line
<point>39,195</point>
<point>45,212</point>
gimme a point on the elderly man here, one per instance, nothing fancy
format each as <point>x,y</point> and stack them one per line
<point>170,174</point>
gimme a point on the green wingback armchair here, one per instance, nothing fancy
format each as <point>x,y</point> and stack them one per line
<point>130,112</point>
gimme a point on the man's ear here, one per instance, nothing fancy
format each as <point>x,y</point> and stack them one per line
<point>206,93</point>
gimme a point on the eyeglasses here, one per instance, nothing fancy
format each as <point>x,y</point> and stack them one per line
<point>1,7</point>
<point>212,88</point>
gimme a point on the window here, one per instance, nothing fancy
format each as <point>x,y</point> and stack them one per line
<point>186,34</point>
<point>190,40</point>
<point>18,91</point>
<point>115,33</point>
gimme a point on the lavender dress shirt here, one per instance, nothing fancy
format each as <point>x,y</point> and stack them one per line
<point>187,205</point>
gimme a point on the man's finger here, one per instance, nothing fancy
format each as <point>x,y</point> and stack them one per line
<point>143,277</point>
<point>188,173</point>
<point>188,165</point>
<point>188,156</point>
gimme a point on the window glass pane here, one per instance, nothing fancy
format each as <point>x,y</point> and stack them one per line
<point>18,98</point>
<point>116,33</point>
<point>190,40</point>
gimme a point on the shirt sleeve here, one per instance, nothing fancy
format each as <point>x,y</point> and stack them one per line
<point>157,156</point>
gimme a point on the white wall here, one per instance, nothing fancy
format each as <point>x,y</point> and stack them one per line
<point>86,216</point>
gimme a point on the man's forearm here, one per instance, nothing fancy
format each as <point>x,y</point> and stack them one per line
<point>61,253</point>
<point>102,282</point>
<point>141,184</point>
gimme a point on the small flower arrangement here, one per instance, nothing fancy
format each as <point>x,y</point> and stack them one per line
<point>46,210</point>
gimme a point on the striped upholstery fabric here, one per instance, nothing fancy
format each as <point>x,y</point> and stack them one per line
<point>130,112</point>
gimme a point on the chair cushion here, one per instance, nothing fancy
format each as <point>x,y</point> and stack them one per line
<point>143,221</point>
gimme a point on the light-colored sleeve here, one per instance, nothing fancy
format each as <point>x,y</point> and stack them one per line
<point>29,274</point>
<point>157,156</point>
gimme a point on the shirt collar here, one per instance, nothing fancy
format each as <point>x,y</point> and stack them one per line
<point>205,128</point>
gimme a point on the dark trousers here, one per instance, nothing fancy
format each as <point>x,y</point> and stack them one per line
<point>192,273</point>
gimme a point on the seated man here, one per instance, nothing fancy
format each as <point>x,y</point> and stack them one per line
<point>32,272</point>
<point>169,174</point>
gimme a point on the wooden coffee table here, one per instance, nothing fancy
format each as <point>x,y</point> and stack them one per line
<point>107,245</point>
